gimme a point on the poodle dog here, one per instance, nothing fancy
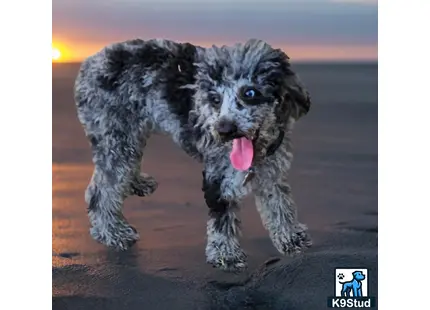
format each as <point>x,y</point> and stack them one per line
<point>230,107</point>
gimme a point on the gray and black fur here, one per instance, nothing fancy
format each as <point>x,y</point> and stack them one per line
<point>196,95</point>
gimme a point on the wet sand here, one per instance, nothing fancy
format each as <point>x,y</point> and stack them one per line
<point>334,181</point>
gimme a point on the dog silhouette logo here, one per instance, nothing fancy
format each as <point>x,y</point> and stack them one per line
<point>351,289</point>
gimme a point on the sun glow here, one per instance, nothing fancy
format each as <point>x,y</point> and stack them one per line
<point>56,54</point>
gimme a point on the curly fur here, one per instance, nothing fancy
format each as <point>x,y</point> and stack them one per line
<point>131,89</point>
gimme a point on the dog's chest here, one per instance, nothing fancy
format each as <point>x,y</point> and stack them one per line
<point>219,169</point>
<point>233,186</point>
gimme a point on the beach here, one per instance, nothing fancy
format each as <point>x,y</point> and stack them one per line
<point>334,180</point>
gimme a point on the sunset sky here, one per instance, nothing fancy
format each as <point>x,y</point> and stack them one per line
<point>305,29</point>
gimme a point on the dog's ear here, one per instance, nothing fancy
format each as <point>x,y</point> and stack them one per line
<point>297,98</point>
<point>294,99</point>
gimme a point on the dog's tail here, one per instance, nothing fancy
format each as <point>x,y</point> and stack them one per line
<point>343,282</point>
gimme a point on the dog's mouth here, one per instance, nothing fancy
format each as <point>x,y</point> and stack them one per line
<point>242,153</point>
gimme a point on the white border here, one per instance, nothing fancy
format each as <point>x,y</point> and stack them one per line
<point>26,154</point>
<point>404,139</point>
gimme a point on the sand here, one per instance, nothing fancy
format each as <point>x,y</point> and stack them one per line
<point>334,181</point>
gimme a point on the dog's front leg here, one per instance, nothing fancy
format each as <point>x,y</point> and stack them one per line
<point>357,291</point>
<point>223,228</point>
<point>279,216</point>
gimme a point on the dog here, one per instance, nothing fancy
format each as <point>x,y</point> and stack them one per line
<point>355,286</point>
<point>231,107</point>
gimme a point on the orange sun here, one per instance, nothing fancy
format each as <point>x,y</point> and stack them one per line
<point>56,54</point>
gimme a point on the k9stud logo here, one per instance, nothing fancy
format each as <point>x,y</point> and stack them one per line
<point>351,289</point>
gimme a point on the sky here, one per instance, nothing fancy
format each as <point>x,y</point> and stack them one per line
<point>304,29</point>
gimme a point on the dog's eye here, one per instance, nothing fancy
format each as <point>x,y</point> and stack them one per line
<point>214,99</point>
<point>251,93</point>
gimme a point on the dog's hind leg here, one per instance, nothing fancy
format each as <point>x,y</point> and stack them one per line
<point>143,185</point>
<point>344,291</point>
<point>279,216</point>
<point>117,153</point>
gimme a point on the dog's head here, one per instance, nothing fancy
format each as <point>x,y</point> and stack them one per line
<point>358,275</point>
<point>247,93</point>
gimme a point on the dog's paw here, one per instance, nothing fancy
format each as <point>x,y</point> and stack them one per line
<point>291,241</point>
<point>144,185</point>
<point>226,256</point>
<point>120,237</point>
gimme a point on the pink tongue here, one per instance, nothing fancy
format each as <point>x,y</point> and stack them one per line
<point>242,153</point>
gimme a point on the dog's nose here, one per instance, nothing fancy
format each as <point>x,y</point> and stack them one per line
<point>226,128</point>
